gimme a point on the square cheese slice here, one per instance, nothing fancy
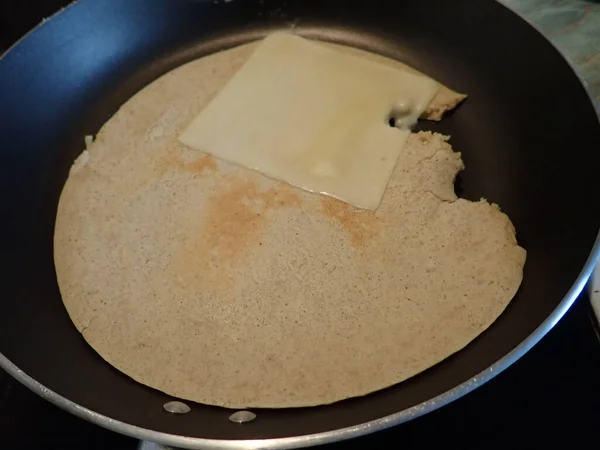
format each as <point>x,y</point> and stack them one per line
<point>300,112</point>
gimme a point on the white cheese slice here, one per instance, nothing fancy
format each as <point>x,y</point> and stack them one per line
<point>315,118</point>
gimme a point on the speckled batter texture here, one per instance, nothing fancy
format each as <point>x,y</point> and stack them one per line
<point>215,284</point>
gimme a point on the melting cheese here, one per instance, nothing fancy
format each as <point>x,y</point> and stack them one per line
<point>315,118</point>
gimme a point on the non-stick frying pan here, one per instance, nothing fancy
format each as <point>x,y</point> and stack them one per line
<point>528,133</point>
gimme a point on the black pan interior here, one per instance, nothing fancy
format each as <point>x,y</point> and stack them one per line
<point>528,133</point>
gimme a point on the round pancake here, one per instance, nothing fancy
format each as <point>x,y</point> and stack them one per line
<point>215,284</point>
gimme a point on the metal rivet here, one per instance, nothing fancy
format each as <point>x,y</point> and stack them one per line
<point>242,417</point>
<point>176,407</point>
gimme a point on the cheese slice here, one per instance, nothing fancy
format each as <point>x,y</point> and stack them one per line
<point>305,114</point>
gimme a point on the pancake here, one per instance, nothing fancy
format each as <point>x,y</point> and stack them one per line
<point>215,284</point>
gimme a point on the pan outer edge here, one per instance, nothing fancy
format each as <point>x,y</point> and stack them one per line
<point>342,433</point>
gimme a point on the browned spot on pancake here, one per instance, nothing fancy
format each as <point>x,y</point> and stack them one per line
<point>361,225</point>
<point>204,165</point>
<point>240,211</point>
<point>171,160</point>
<point>235,219</point>
<point>281,194</point>
<point>235,216</point>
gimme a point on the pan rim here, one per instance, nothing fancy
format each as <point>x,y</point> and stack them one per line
<point>185,442</point>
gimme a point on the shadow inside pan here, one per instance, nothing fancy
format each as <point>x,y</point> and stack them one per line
<point>525,133</point>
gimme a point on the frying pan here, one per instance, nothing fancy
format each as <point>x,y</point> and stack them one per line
<point>528,133</point>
